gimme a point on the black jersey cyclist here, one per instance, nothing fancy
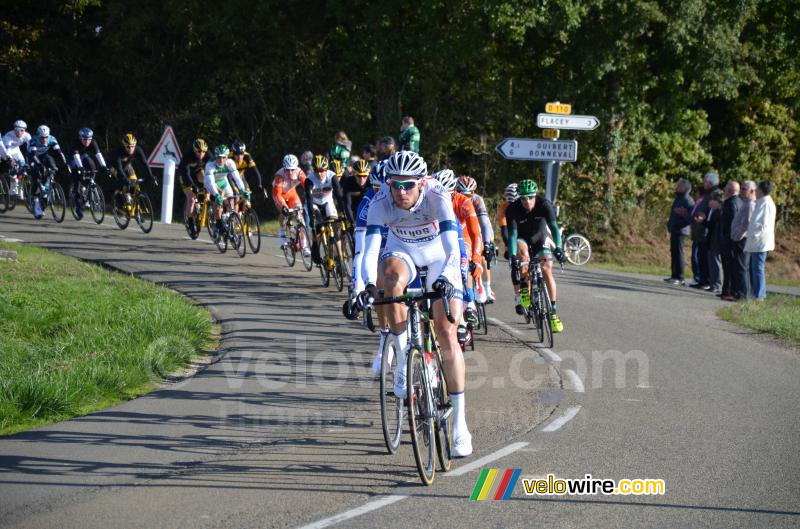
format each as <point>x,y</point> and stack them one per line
<point>354,187</point>
<point>122,166</point>
<point>191,175</point>
<point>85,152</point>
<point>528,220</point>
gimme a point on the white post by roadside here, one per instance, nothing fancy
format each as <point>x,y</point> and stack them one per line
<point>167,188</point>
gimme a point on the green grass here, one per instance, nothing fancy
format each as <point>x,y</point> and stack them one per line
<point>270,227</point>
<point>77,338</point>
<point>777,315</point>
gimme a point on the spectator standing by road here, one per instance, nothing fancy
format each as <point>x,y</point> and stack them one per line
<point>341,149</point>
<point>700,229</point>
<point>730,207</point>
<point>409,135</point>
<point>739,238</point>
<point>714,242</point>
<point>678,227</point>
<point>760,238</point>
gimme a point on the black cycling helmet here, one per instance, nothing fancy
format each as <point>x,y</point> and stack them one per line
<point>238,147</point>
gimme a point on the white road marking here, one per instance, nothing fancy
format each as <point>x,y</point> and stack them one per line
<point>505,326</point>
<point>577,383</point>
<point>571,412</point>
<point>550,354</point>
<point>9,239</point>
<point>479,463</point>
<point>383,501</point>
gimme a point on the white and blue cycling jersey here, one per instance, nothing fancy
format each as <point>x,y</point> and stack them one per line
<point>426,235</point>
<point>37,148</point>
<point>359,236</point>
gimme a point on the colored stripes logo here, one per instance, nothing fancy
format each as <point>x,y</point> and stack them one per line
<point>495,484</point>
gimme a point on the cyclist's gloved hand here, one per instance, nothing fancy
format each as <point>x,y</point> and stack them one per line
<point>218,199</point>
<point>285,210</point>
<point>443,286</point>
<point>370,292</point>
<point>558,253</point>
<point>350,308</point>
<point>476,271</point>
<point>194,189</point>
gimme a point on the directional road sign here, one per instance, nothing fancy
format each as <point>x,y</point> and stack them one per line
<point>564,122</point>
<point>540,150</point>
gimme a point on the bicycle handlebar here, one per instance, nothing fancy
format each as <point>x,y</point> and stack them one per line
<point>412,295</point>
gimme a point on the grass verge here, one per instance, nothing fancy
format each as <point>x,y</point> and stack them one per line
<point>77,338</point>
<point>777,315</point>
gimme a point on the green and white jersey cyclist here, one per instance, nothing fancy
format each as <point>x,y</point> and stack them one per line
<point>217,173</point>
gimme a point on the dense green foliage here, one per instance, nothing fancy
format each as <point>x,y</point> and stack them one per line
<point>77,338</point>
<point>680,87</point>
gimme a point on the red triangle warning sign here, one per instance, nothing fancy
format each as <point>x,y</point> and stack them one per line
<point>167,148</point>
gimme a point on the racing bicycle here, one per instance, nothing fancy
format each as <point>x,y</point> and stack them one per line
<point>131,201</point>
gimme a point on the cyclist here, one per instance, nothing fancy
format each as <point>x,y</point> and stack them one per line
<point>82,153</point>
<point>11,149</point>
<point>307,161</point>
<point>354,187</point>
<point>216,175</point>
<point>284,194</point>
<point>122,168</point>
<point>341,148</point>
<point>422,232</point>
<point>473,245</point>
<point>529,218</point>
<point>244,164</point>
<point>466,186</point>
<point>322,192</point>
<point>191,173</point>
<point>511,195</point>
<point>39,148</point>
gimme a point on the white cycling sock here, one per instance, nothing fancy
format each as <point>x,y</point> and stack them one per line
<point>488,285</point>
<point>459,415</point>
<point>472,305</point>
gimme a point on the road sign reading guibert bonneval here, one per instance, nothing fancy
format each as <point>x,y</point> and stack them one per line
<point>566,122</point>
<point>538,150</point>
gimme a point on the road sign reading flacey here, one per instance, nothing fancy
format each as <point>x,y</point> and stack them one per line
<point>166,148</point>
<point>539,150</point>
<point>565,122</point>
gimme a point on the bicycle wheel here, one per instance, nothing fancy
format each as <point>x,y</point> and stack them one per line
<point>391,406</point>
<point>302,230</point>
<point>482,318</point>
<point>444,420</point>
<point>545,310</point>
<point>348,247</point>
<point>421,416</point>
<point>289,247</point>
<point>5,194</point>
<point>144,212</point>
<point>72,202</point>
<point>122,215</point>
<point>338,267</point>
<point>58,202</point>
<point>578,249</point>
<point>324,272</point>
<point>12,201</point>
<point>211,223</point>
<point>237,236</point>
<point>27,189</point>
<point>253,230</point>
<point>97,203</point>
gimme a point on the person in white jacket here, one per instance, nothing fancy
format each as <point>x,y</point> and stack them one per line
<point>760,238</point>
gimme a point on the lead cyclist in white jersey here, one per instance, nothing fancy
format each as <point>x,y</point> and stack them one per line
<point>421,233</point>
<point>216,182</point>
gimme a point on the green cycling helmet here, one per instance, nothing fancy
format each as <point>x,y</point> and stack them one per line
<point>527,188</point>
<point>221,151</point>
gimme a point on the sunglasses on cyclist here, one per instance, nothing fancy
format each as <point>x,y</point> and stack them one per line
<point>405,185</point>
<point>527,197</point>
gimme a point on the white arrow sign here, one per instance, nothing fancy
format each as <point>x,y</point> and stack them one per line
<point>565,122</point>
<point>539,150</point>
<point>167,147</point>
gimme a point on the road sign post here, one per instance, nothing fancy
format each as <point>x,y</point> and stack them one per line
<point>166,156</point>
<point>538,150</point>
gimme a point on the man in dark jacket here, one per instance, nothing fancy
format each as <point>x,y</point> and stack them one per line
<point>729,209</point>
<point>678,227</point>
<point>699,230</point>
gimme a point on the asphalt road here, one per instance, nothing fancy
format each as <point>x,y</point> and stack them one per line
<point>284,430</point>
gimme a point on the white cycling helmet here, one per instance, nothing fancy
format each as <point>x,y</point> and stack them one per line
<point>43,131</point>
<point>447,178</point>
<point>290,161</point>
<point>377,175</point>
<point>466,185</point>
<point>406,163</point>
<point>19,124</point>
<point>511,192</point>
